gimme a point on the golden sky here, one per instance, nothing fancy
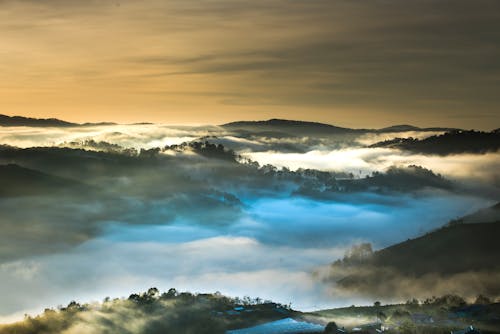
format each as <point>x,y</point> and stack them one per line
<point>351,63</point>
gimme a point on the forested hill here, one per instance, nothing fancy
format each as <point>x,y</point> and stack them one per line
<point>454,142</point>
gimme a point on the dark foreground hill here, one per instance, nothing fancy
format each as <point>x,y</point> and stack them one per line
<point>153,313</point>
<point>458,258</point>
<point>449,250</point>
<point>186,313</point>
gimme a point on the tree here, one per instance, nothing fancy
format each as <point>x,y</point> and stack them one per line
<point>482,300</point>
<point>376,304</point>
<point>331,328</point>
<point>153,293</point>
<point>171,293</point>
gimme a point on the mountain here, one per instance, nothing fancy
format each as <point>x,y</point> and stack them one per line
<point>476,245</point>
<point>168,312</point>
<point>406,127</point>
<point>453,142</point>
<point>461,258</point>
<point>473,239</point>
<point>41,122</point>
<point>486,215</point>
<point>20,181</point>
<point>282,128</point>
<point>27,121</point>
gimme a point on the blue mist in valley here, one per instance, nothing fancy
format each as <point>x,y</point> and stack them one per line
<point>103,218</point>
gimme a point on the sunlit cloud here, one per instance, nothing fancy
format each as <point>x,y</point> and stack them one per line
<point>197,223</point>
<point>364,161</point>
<point>128,136</point>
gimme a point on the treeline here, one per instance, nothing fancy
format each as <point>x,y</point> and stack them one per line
<point>453,142</point>
<point>152,312</point>
<point>227,167</point>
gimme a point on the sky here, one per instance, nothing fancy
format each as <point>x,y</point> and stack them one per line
<point>170,223</point>
<point>350,63</point>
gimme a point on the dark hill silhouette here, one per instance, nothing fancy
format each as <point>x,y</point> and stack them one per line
<point>283,125</point>
<point>453,142</point>
<point>279,128</point>
<point>20,181</point>
<point>486,215</point>
<point>461,254</point>
<point>400,179</point>
<point>476,245</point>
<point>407,127</point>
<point>27,121</point>
<point>41,122</point>
<point>69,163</point>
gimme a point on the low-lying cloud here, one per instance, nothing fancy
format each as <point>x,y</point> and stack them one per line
<point>196,221</point>
<point>364,161</point>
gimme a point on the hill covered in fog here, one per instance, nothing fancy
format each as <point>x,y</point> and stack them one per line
<point>461,257</point>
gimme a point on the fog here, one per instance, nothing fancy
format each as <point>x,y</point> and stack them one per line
<point>133,135</point>
<point>83,225</point>
<point>269,252</point>
<point>364,161</point>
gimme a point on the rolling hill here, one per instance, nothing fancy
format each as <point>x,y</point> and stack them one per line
<point>281,126</point>
<point>20,181</point>
<point>289,126</point>
<point>461,257</point>
<point>41,122</point>
<point>452,142</point>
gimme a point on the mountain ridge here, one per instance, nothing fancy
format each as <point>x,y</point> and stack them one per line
<point>277,122</point>
<point>460,258</point>
<point>15,120</point>
<point>7,121</point>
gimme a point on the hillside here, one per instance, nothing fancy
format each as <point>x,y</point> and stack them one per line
<point>40,122</point>
<point>486,215</point>
<point>279,127</point>
<point>283,125</point>
<point>151,312</point>
<point>453,142</point>
<point>476,245</point>
<point>20,181</point>
<point>407,127</point>
<point>459,258</point>
<point>28,121</point>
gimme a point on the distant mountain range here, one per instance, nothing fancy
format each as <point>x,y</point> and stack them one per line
<point>302,127</point>
<point>41,122</point>
<point>298,127</point>
<point>266,125</point>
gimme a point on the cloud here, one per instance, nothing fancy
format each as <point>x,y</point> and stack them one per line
<point>364,161</point>
<point>203,224</point>
<point>269,252</point>
<point>200,265</point>
<point>128,136</point>
<point>391,285</point>
<point>434,59</point>
<point>373,138</point>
